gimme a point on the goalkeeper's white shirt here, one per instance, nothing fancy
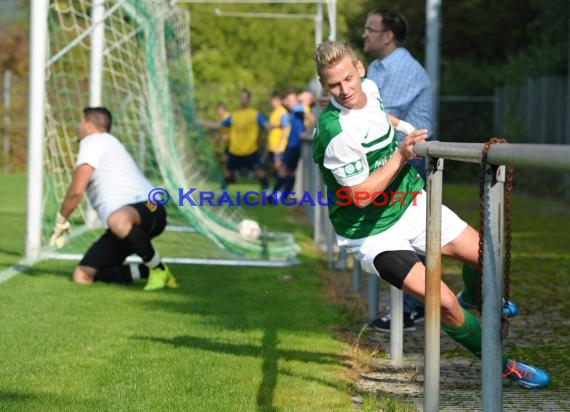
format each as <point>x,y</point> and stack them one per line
<point>116,181</point>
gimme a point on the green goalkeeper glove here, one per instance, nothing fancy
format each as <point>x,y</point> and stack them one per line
<point>60,230</point>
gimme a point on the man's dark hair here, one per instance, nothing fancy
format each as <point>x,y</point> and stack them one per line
<point>394,22</point>
<point>101,117</point>
<point>289,91</point>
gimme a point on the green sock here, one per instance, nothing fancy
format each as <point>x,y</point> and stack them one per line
<point>469,335</point>
<point>470,278</point>
<point>505,361</point>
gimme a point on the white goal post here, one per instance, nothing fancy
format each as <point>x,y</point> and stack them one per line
<point>132,56</point>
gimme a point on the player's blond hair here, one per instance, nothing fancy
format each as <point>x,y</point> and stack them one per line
<point>329,53</point>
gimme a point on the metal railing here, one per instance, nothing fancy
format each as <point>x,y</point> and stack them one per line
<point>537,156</point>
<point>549,157</point>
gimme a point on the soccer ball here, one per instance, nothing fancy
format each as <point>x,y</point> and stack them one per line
<point>249,229</point>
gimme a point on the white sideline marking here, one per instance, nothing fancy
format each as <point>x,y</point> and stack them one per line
<point>15,269</point>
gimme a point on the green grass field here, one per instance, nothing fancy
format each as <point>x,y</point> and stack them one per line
<point>231,338</point>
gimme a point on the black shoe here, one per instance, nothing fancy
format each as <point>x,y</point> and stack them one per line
<point>382,324</point>
<point>418,315</point>
<point>274,197</point>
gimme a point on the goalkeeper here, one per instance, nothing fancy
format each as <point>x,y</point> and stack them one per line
<point>118,191</point>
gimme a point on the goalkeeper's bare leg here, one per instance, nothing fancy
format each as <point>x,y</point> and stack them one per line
<point>124,274</point>
<point>131,229</point>
<point>103,261</point>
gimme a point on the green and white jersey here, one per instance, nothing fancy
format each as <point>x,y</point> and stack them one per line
<point>348,146</point>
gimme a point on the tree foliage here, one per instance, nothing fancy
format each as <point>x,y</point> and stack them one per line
<point>14,49</point>
<point>262,54</point>
<point>484,44</point>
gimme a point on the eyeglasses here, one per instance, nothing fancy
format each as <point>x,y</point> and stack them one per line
<point>369,30</point>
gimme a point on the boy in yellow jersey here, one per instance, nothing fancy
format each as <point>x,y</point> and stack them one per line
<point>243,150</point>
<point>279,127</point>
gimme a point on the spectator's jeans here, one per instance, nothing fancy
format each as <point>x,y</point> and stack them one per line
<point>411,304</point>
<point>420,165</point>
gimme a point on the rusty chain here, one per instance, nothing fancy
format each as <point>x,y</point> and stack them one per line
<point>508,228</point>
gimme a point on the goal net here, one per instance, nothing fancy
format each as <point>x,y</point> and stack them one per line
<point>146,73</point>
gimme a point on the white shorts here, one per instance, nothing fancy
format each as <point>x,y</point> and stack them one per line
<point>408,233</point>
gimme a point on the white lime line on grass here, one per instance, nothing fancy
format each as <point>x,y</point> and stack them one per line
<point>15,270</point>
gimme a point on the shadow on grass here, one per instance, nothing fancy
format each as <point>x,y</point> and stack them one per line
<point>9,252</point>
<point>33,271</point>
<point>24,400</point>
<point>15,397</point>
<point>269,352</point>
<point>268,346</point>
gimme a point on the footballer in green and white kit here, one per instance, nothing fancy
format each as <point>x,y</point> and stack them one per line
<point>348,146</point>
<point>378,208</point>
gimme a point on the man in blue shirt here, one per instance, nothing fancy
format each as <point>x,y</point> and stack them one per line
<point>404,87</point>
<point>403,83</point>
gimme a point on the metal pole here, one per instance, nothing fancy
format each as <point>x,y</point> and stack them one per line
<point>541,156</point>
<point>6,122</point>
<point>319,24</point>
<point>330,239</point>
<point>38,52</point>
<point>332,19</point>
<point>356,275</point>
<point>222,13</point>
<point>96,77</point>
<point>96,52</point>
<point>433,28</point>
<point>84,34</point>
<point>373,282</point>
<point>493,252</point>
<point>433,284</point>
<point>342,259</point>
<point>396,325</point>
<point>318,211</point>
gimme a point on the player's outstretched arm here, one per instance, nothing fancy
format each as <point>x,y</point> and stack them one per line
<point>400,125</point>
<point>61,229</point>
<point>75,192</point>
<point>362,194</point>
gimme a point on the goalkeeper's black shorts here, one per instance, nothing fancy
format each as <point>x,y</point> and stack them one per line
<point>109,250</point>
